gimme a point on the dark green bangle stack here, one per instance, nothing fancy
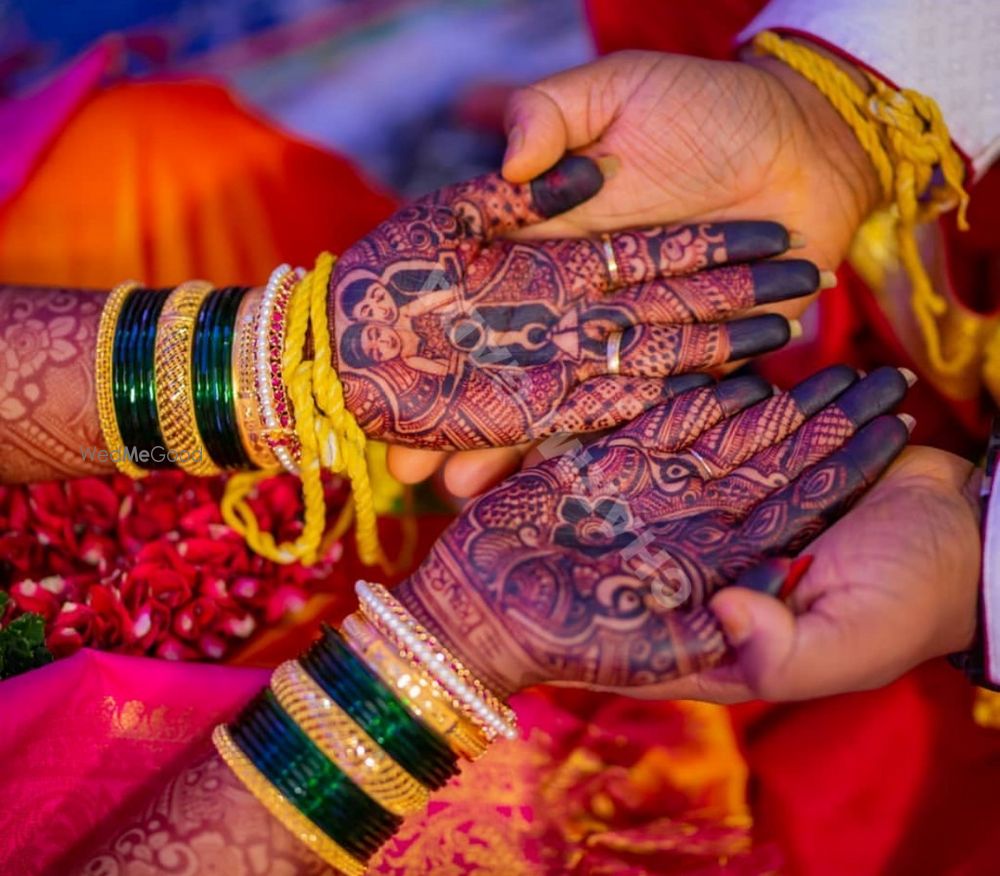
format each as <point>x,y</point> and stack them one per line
<point>307,778</point>
<point>212,378</point>
<point>317,787</point>
<point>133,379</point>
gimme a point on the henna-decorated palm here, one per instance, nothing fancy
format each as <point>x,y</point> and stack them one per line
<point>596,566</point>
<point>450,336</point>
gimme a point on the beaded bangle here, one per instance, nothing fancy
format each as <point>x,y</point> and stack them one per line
<point>174,401</point>
<point>358,691</point>
<point>417,690</point>
<point>318,788</point>
<point>277,409</point>
<point>418,644</point>
<point>281,808</point>
<point>212,378</point>
<point>103,379</point>
<point>248,409</point>
<point>133,378</point>
<point>341,739</point>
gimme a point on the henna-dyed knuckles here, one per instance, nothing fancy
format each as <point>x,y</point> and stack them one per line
<point>450,336</point>
<point>596,566</point>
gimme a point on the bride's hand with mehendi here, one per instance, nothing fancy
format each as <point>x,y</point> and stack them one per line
<point>595,567</point>
<point>450,336</point>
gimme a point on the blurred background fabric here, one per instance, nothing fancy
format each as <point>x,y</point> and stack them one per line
<point>410,89</point>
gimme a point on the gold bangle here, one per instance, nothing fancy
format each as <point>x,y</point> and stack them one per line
<point>104,375</point>
<point>248,411</point>
<point>301,827</point>
<point>417,689</point>
<point>172,367</point>
<point>412,627</point>
<point>344,742</point>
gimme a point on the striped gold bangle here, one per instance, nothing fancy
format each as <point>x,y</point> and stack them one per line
<point>103,379</point>
<point>417,689</point>
<point>249,419</point>
<point>344,742</point>
<point>281,808</point>
<point>174,395</point>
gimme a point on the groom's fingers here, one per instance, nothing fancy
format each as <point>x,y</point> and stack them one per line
<point>489,206</point>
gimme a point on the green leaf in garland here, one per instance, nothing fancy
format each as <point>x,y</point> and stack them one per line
<point>22,642</point>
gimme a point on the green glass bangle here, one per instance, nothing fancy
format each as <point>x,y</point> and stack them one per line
<point>211,381</point>
<point>317,787</point>
<point>133,383</point>
<point>358,691</point>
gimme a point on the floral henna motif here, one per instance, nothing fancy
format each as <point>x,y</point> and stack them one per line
<point>48,408</point>
<point>596,565</point>
<point>450,336</point>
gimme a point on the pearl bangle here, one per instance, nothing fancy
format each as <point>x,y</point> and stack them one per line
<point>276,409</point>
<point>483,707</point>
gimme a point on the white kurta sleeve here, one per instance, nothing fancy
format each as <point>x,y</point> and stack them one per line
<point>947,50</point>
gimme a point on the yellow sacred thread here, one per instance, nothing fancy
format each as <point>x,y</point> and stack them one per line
<point>907,140</point>
<point>329,434</point>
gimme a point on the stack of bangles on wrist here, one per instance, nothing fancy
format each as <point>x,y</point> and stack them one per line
<point>216,380</point>
<point>351,737</point>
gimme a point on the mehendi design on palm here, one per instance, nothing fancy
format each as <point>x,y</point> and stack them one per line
<point>450,336</point>
<point>596,566</point>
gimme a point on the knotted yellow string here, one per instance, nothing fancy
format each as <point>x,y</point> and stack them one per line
<point>907,140</point>
<point>329,435</point>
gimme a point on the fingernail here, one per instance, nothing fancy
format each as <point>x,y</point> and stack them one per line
<point>609,165</point>
<point>796,240</point>
<point>515,140</point>
<point>759,334</point>
<point>736,623</point>
<point>799,566</point>
<point>908,376</point>
<point>572,181</point>
<point>779,281</point>
<point>738,393</point>
<point>746,241</point>
<point>873,395</point>
<point>816,392</point>
<point>795,329</point>
<point>827,279</point>
<point>908,421</point>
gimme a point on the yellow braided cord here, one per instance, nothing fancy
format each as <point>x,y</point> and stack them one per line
<point>907,140</point>
<point>329,435</point>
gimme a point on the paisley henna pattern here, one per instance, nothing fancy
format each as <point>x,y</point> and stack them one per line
<point>449,336</point>
<point>203,821</point>
<point>48,406</point>
<point>596,565</point>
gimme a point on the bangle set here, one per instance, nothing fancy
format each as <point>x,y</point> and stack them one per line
<point>353,735</point>
<point>171,375</point>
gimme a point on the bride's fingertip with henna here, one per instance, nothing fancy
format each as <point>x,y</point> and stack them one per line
<point>908,376</point>
<point>908,421</point>
<point>734,619</point>
<point>827,279</point>
<point>794,329</point>
<point>796,240</point>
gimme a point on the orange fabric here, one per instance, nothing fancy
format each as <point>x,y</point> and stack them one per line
<point>165,181</point>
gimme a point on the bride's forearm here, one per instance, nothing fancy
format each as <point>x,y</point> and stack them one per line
<point>49,426</point>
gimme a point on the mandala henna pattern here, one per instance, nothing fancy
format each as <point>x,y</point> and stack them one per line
<point>450,336</point>
<point>596,565</point>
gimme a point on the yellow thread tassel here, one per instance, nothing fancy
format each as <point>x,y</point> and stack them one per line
<point>330,439</point>
<point>906,139</point>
